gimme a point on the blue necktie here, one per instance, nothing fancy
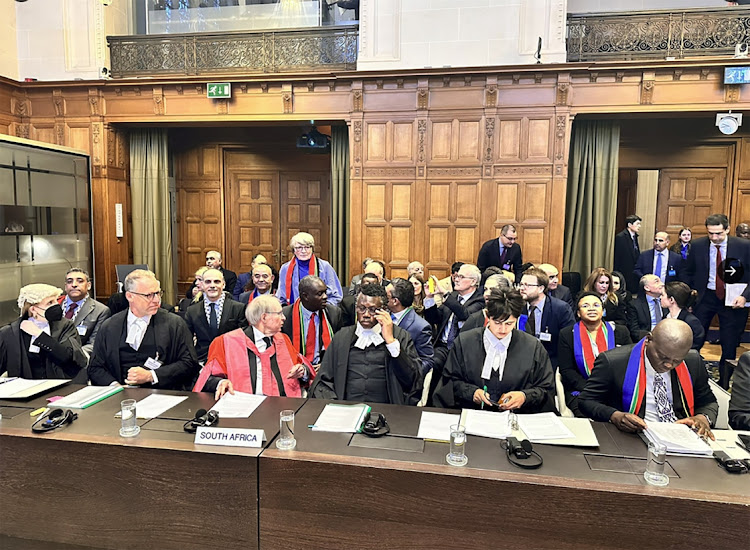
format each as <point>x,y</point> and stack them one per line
<point>655,317</point>
<point>658,265</point>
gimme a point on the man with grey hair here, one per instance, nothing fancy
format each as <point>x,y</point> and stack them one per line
<point>415,268</point>
<point>449,317</point>
<point>304,263</point>
<point>87,314</point>
<point>258,359</point>
<point>144,345</point>
<point>645,311</point>
<point>479,318</point>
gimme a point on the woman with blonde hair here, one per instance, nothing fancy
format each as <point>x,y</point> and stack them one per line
<point>41,343</point>
<point>600,282</point>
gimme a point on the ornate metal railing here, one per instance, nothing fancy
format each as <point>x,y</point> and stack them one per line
<point>294,50</point>
<point>657,34</point>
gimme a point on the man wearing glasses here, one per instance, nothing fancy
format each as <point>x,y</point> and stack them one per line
<point>305,263</point>
<point>503,252</point>
<point>372,362</point>
<point>144,345</point>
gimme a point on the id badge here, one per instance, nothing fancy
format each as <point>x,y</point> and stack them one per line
<point>81,330</point>
<point>506,267</point>
<point>152,363</point>
<point>672,273</point>
<point>545,337</point>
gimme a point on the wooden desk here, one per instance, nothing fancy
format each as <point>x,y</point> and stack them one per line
<point>327,494</point>
<point>84,485</point>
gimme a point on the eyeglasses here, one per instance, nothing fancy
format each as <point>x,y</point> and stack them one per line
<point>526,285</point>
<point>459,277</point>
<point>301,247</point>
<point>590,306</point>
<point>151,295</point>
<point>370,310</point>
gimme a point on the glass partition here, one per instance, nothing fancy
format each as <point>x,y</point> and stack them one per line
<point>45,217</point>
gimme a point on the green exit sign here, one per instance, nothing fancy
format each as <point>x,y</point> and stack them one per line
<point>215,90</point>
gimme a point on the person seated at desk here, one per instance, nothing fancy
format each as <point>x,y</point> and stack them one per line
<point>499,363</point>
<point>258,359</point>
<point>144,345</point>
<point>659,379</point>
<point>480,318</point>
<point>214,315</point>
<point>40,343</point>
<point>739,404</point>
<point>581,344</point>
<point>374,361</point>
<point>400,294</point>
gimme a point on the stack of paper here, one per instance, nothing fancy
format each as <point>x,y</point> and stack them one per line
<point>85,397</point>
<point>21,388</point>
<point>486,423</point>
<point>680,439</point>
<point>155,405</point>
<point>341,418</point>
<point>437,426</point>
<point>543,427</point>
<point>239,405</point>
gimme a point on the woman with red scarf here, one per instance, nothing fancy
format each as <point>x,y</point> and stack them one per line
<point>305,263</point>
<point>581,343</point>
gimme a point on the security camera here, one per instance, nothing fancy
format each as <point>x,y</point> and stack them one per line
<point>728,123</point>
<point>740,51</point>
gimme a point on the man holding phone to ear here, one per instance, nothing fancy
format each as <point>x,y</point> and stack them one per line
<point>373,361</point>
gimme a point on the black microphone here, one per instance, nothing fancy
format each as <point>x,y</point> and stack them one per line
<point>202,419</point>
<point>200,415</point>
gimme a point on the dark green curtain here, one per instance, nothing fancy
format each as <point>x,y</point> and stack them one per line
<point>339,255</point>
<point>592,196</point>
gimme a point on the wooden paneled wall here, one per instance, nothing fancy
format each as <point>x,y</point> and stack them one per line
<point>440,158</point>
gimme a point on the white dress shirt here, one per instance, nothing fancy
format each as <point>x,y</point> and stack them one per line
<point>651,413</point>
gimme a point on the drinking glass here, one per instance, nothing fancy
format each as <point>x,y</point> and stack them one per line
<point>457,454</point>
<point>286,439</point>
<point>130,427</point>
<point>657,457</point>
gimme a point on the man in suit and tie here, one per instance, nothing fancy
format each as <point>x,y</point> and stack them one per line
<point>214,315</point>
<point>627,250</point>
<point>660,261</point>
<point>503,252</point>
<point>262,282</point>
<point>645,311</point>
<point>545,315</point>
<point>87,314</point>
<point>449,317</point>
<point>400,293</point>
<point>712,259</point>
<point>310,322</point>
<point>555,288</point>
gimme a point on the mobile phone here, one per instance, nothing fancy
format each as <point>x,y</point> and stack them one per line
<point>744,441</point>
<point>431,284</point>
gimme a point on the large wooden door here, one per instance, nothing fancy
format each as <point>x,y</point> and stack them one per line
<point>687,196</point>
<point>252,216</point>
<point>305,206</point>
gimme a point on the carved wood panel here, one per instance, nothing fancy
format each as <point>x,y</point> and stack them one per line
<point>304,202</point>
<point>686,197</point>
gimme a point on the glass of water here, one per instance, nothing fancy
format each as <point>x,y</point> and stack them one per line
<point>657,457</point>
<point>130,427</point>
<point>457,454</point>
<point>286,441</point>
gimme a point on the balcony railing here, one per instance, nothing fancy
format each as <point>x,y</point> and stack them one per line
<point>296,50</point>
<point>657,34</point>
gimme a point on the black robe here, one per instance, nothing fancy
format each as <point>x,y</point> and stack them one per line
<point>61,349</point>
<point>173,342</point>
<point>527,369</point>
<point>403,373</point>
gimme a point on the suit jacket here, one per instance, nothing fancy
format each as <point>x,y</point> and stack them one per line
<point>348,313</point>
<point>439,315</point>
<point>334,318</point>
<point>64,357</point>
<point>403,375</point>
<point>699,334</point>
<point>695,269</point>
<point>739,404</point>
<point>527,369</point>
<point>572,379</point>
<point>421,334</point>
<point>475,320</point>
<point>232,317</point>
<point>489,255</point>
<point>625,257</point>
<point>556,315</point>
<point>230,282</point>
<point>602,395</point>
<point>618,312</point>
<point>639,317</point>
<point>562,292</point>
<point>645,265</point>
<point>173,342</point>
<point>88,320</point>
<point>242,280</point>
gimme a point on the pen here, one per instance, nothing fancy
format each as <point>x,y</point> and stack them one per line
<point>485,391</point>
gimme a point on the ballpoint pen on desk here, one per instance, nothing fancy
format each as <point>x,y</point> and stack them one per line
<point>482,405</point>
<point>9,379</point>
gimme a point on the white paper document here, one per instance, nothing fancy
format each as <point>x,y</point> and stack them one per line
<point>85,397</point>
<point>680,439</point>
<point>155,405</point>
<point>12,387</point>
<point>437,426</point>
<point>543,426</point>
<point>732,290</point>
<point>486,423</point>
<point>583,434</point>
<point>341,418</point>
<point>239,405</point>
<point>727,441</point>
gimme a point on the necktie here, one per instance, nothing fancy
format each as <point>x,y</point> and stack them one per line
<point>71,310</point>
<point>655,314</point>
<point>310,340</point>
<point>453,332</point>
<point>213,323</point>
<point>531,321</point>
<point>720,290</point>
<point>663,406</point>
<point>275,367</point>
<point>635,244</point>
<point>503,256</point>
<point>658,264</point>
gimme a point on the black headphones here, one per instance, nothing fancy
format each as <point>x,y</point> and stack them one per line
<point>375,425</point>
<point>202,419</point>
<point>518,451</point>
<point>55,419</point>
